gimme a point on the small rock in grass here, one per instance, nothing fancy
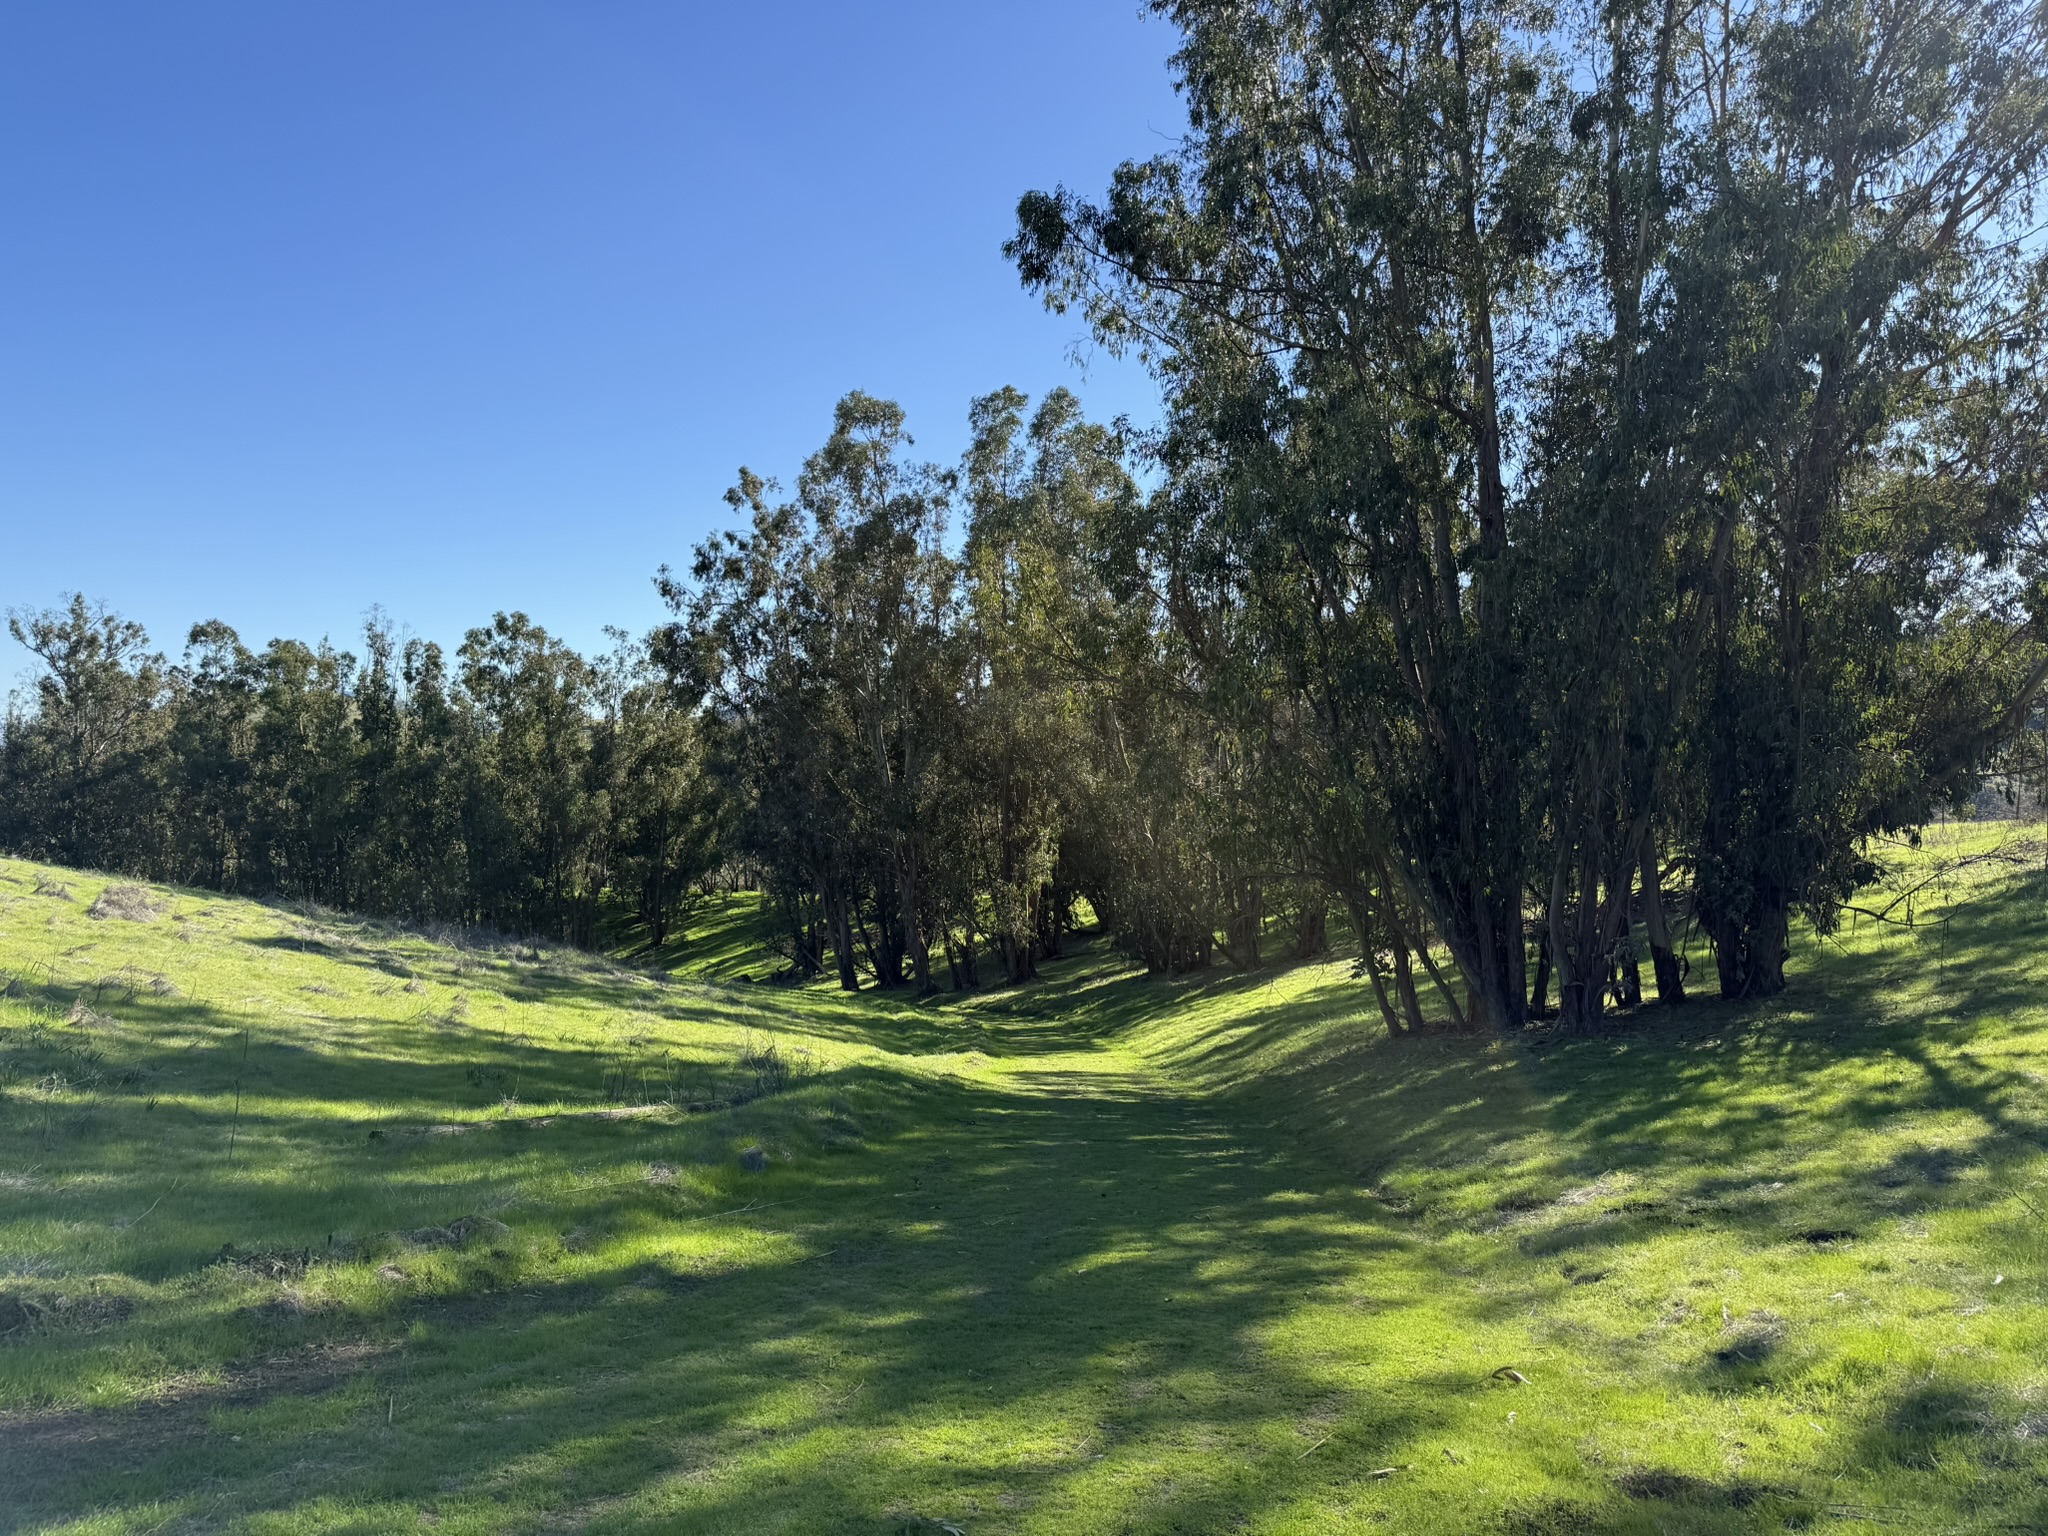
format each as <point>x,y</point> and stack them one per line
<point>661,1173</point>
<point>754,1160</point>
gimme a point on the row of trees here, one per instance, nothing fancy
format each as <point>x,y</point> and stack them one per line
<point>1599,489</point>
<point>514,791</point>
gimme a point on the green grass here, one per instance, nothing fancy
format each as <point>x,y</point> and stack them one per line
<point>727,937</point>
<point>1102,1254</point>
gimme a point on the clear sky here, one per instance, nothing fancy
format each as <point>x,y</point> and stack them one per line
<point>457,305</point>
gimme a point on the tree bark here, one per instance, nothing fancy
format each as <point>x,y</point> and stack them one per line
<point>913,931</point>
<point>836,903</point>
<point>1628,977</point>
<point>1404,985</point>
<point>1368,956</point>
<point>1311,930</point>
<point>1379,987</point>
<point>1663,960</point>
<point>1751,956</point>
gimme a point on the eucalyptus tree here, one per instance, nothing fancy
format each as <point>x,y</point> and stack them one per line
<point>1040,627</point>
<point>1340,277</point>
<point>208,744</point>
<point>420,816</point>
<point>887,590</point>
<point>823,641</point>
<point>666,816</point>
<point>1878,174</point>
<point>1529,376</point>
<point>739,651</point>
<point>530,828</point>
<point>77,762</point>
<point>302,751</point>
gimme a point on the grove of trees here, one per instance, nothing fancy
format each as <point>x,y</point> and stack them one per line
<point>1599,491</point>
<point>515,791</point>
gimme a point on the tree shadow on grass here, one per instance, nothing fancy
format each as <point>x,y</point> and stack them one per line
<point>1050,1295</point>
<point>1029,1313</point>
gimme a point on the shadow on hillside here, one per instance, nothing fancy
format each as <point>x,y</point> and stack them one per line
<point>1090,998</point>
<point>1079,1270</point>
<point>1105,1244</point>
<point>1087,1277</point>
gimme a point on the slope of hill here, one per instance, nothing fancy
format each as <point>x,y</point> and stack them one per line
<point>308,1223</point>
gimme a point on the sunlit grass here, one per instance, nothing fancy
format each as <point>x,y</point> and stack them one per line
<point>479,1250</point>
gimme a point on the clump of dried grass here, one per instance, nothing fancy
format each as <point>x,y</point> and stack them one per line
<point>130,903</point>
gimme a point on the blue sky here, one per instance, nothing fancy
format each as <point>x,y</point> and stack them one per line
<point>456,305</point>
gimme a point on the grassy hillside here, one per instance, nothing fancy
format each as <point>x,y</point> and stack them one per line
<point>312,1224</point>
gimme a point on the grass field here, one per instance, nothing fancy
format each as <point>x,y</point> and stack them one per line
<point>314,1224</point>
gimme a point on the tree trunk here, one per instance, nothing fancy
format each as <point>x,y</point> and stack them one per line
<point>1584,956</point>
<point>1459,1018</point>
<point>836,904</point>
<point>1539,990</point>
<point>1379,987</point>
<point>1242,926</point>
<point>1751,957</point>
<point>1663,960</point>
<point>1368,957</point>
<point>1404,985</point>
<point>953,961</point>
<point>885,946</point>
<point>1052,915</point>
<point>1311,930</point>
<point>1018,964</point>
<point>913,931</point>
<point>1628,976</point>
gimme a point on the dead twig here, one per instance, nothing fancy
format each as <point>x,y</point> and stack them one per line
<point>739,1210</point>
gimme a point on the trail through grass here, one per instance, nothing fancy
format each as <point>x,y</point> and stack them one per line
<point>512,1240</point>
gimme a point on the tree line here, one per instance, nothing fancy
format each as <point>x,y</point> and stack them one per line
<point>515,787</point>
<point>1599,492</point>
